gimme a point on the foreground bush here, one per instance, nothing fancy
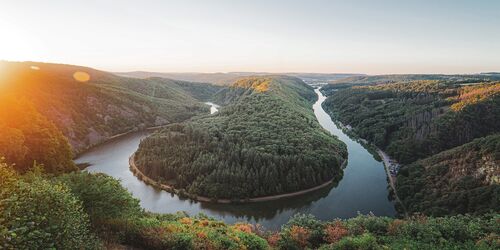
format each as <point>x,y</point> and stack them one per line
<point>40,212</point>
<point>118,218</point>
<point>180,232</point>
<point>103,197</point>
<point>36,214</point>
<point>371,232</point>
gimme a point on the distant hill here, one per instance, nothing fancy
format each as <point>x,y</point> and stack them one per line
<point>229,78</point>
<point>366,80</point>
<point>89,105</point>
<point>214,78</point>
<point>264,141</point>
<point>490,73</point>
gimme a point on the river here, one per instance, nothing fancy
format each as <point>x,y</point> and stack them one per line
<point>363,188</point>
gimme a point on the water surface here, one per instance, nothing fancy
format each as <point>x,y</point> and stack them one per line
<point>362,189</point>
<point>213,107</point>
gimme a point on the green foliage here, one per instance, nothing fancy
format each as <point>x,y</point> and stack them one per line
<point>413,120</point>
<point>308,222</point>
<point>356,81</point>
<point>472,180</point>
<point>419,232</point>
<point>36,214</point>
<point>157,232</point>
<point>102,196</point>
<point>266,141</point>
<point>418,119</point>
<point>368,223</point>
<point>27,137</point>
<point>365,241</point>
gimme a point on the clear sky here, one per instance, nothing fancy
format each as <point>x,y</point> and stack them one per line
<point>374,37</point>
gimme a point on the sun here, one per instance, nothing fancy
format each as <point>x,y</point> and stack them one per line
<point>18,44</point>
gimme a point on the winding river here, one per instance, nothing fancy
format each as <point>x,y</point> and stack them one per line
<point>363,188</point>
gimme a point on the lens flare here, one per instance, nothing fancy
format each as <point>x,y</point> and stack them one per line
<point>81,76</point>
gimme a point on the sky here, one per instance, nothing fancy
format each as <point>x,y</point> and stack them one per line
<point>324,36</point>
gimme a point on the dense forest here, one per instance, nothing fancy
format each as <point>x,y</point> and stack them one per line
<point>368,80</point>
<point>265,141</point>
<point>426,125</point>
<point>461,180</point>
<point>90,106</point>
<point>27,137</point>
<point>418,119</point>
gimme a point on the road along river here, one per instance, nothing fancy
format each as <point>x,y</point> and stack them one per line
<point>362,189</point>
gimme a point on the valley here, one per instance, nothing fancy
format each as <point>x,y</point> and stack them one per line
<point>363,187</point>
<point>250,125</point>
<point>342,198</point>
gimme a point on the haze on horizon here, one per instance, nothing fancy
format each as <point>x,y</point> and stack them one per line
<point>373,37</point>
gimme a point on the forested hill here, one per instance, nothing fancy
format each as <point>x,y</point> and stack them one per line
<point>265,141</point>
<point>367,80</point>
<point>419,119</point>
<point>89,106</point>
<point>465,179</point>
<point>45,106</point>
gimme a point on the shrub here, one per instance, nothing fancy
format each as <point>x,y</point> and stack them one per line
<point>363,242</point>
<point>37,214</point>
<point>252,241</point>
<point>273,239</point>
<point>103,197</point>
<point>243,227</point>
<point>394,226</point>
<point>369,223</point>
<point>300,235</point>
<point>335,231</point>
<point>313,226</point>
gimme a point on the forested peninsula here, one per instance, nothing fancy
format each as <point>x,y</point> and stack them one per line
<point>264,141</point>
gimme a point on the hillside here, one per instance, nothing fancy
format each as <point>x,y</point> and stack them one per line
<point>265,141</point>
<point>89,105</point>
<point>445,134</point>
<point>418,119</point>
<point>222,79</point>
<point>27,137</point>
<point>465,179</point>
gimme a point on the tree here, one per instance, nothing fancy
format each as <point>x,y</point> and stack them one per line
<point>37,214</point>
<point>103,197</point>
<point>28,137</point>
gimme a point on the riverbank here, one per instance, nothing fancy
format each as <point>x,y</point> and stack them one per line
<point>391,167</point>
<point>213,108</point>
<point>141,176</point>
<point>115,137</point>
<point>388,164</point>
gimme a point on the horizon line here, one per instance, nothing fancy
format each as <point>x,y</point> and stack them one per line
<point>243,71</point>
